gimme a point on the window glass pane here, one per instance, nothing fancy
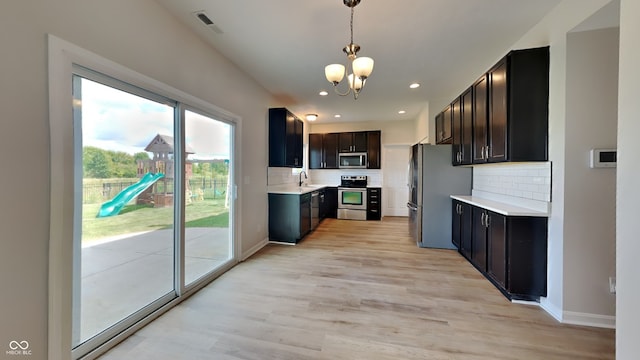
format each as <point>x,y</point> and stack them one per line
<point>125,247</point>
<point>207,169</point>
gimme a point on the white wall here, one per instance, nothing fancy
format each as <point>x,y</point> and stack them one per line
<point>423,127</point>
<point>552,30</point>
<point>590,194</point>
<point>628,191</point>
<point>142,36</point>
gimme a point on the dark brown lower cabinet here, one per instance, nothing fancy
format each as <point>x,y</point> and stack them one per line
<point>373,203</point>
<point>510,251</point>
<point>479,239</point>
<point>497,247</point>
<point>461,232</point>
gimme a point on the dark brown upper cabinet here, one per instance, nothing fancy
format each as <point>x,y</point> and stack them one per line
<point>480,106</point>
<point>324,148</point>
<point>373,149</point>
<point>518,107</point>
<point>285,138</point>
<point>443,127</point>
<point>323,151</point>
<point>504,116</point>
<point>352,142</point>
<point>462,115</point>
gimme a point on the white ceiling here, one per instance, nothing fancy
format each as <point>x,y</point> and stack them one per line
<point>285,44</point>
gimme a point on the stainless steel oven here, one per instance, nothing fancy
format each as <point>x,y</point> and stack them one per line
<point>352,197</point>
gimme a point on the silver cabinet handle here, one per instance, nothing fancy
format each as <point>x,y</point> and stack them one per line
<point>482,219</point>
<point>487,221</point>
<point>486,150</point>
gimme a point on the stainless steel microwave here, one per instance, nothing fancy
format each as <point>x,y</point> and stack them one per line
<point>352,160</point>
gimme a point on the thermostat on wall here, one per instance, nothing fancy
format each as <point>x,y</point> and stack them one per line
<point>603,158</point>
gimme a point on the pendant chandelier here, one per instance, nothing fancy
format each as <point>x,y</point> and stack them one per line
<point>357,70</point>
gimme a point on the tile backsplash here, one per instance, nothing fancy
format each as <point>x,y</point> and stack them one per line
<point>281,176</point>
<point>524,180</point>
<point>332,177</point>
<point>285,176</point>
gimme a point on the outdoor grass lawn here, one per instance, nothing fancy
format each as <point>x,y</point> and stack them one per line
<point>139,218</point>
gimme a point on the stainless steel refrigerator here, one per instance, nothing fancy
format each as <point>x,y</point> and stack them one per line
<point>432,179</point>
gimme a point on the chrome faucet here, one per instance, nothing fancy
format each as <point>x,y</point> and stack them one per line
<point>300,177</point>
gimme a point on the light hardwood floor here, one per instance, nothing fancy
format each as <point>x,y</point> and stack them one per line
<point>358,290</point>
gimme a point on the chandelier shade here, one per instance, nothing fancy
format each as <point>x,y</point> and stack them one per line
<point>334,73</point>
<point>362,67</point>
<point>358,68</point>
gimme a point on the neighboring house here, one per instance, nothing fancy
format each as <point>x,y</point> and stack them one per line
<point>164,49</point>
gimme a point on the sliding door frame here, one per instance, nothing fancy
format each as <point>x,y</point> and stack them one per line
<point>63,58</point>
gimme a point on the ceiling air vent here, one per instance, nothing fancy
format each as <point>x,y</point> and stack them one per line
<point>205,19</point>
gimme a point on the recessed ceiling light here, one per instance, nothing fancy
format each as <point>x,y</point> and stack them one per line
<point>402,112</point>
<point>323,93</point>
<point>311,117</point>
<point>337,116</point>
<point>414,86</point>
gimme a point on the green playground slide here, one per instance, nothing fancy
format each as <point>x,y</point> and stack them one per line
<point>113,206</point>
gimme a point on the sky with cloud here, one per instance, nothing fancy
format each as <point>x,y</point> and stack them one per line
<point>116,120</point>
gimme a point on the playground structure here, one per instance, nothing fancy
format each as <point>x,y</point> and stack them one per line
<point>156,184</point>
<point>161,193</point>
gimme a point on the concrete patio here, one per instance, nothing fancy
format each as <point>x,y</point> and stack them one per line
<point>121,275</point>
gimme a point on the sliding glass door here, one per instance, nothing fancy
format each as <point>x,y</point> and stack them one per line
<point>153,204</point>
<point>207,168</point>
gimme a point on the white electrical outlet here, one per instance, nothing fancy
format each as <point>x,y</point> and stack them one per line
<point>612,284</point>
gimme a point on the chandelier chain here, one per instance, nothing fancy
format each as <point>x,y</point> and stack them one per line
<point>351,25</point>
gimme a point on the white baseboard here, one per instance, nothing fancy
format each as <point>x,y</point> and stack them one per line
<point>575,318</point>
<point>586,319</point>
<point>551,309</point>
<point>254,249</point>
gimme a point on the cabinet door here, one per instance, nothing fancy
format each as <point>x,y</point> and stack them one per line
<point>294,129</point>
<point>331,201</point>
<point>298,143</point>
<point>497,122</point>
<point>480,120</point>
<point>330,150</point>
<point>466,126</point>
<point>466,229</point>
<point>479,239</point>
<point>443,127</point>
<point>456,119</point>
<point>290,135</point>
<point>497,248</point>
<point>360,141</point>
<point>345,142</point>
<point>456,223</point>
<point>315,151</point>
<point>305,215</point>
<point>373,150</point>
<point>447,130</point>
<point>323,204</point>
<point>439,125</point>
<point>277,137</point>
